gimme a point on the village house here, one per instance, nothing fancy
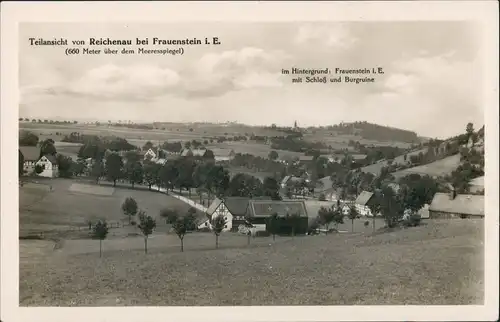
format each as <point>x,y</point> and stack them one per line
<point>223,155</point>
<point>363,202</point>
<point>260,210</point>
<point>193,152</point>
<point>358,157</point>
<point>31,154</point>
<point>451,205</point>
<point>48,163</point>
<point>337,158</point>
<point>288,180</point>
<point>150,154</point>
<point>234,210</point>
<point>476,185</point>
<point>305,159</point>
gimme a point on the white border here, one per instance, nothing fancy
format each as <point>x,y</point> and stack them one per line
<point>11,13</point>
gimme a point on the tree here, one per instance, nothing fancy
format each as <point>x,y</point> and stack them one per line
<point>273,155</point>
<point>114,165</point>
<point>27,138</point>
<point>293,219</point>
<point>271,188</point>
<point>272,225</point>
<point>180,225</point>
<point>47,147</point>
<point>218,224</point>
<point>148,145</point>
<point>97,171</point>
<point>39,168</point>
<point>469,130</point>
<point>151,173</point>
<point>375,207</point>
<point>100,232</point>
<point>391,207</point>
<point>65,166</point>
<point>353,214</point>
<point>134,173</point>
<point>169,215</point>
<point>147,225</point>
<point>338,217</point>
<point>326,216</point>
<point>129,208</point>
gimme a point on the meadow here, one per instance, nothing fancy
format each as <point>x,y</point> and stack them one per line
<point>71,203</point>
<point>437,168</point>
<point>439,263</point>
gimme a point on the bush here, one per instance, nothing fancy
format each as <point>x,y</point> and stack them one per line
<point>412,221</point>
<point>322,197</point>
<point>367,223</point>
<point>133,223</point>
<point>262,233</point>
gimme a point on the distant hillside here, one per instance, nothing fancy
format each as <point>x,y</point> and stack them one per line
<point>376,132</point>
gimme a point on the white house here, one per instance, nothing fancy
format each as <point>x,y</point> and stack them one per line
<point>49,164</point>
<point>221,155</point>
<point>30,154</point>
<point>234,210</point>
<point>362,203</point>
<point>150,154</point>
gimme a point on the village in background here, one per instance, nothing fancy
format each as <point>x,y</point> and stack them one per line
<point>241,190</point>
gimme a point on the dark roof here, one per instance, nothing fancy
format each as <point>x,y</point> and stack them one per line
<point>237,206</point>
<point>363,198</point>
<point>30,153</point>
<point>265,208</point>
<point>461,204</point>
<point>51,158</point>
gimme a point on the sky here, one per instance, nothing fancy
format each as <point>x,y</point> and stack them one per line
<point>431,82</point>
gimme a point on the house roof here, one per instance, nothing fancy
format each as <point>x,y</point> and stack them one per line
<point>213,206</point>
<point>461,204</point>
<point>51,158</point>
<point>313,206</point>
<point>198,152</point>
<point>161,161</point>
<point>306,158</point>
<point>222,152</point>
<point>30,153</point>
<point>237,205</point>
<point>363,198</point>
<point>285,179</point>
<point>358,156</point>
<point>479,181</point>
<point>395,187</point>
<point>265,208</point>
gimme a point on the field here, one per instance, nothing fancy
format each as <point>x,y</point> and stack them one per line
<point>437,168</point>
<point>377,167</point>
<point>70,204</point>
<point>439,263</point>
<point>341,141</point>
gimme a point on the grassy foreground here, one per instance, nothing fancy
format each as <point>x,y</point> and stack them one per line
<point>440,263</point>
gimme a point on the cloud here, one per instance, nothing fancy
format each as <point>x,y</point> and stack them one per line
<point>214,74</point>
<point>332,36</point>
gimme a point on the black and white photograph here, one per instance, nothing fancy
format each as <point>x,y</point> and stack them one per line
<point>252,163</point>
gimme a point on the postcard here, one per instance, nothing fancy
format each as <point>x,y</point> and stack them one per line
<point>252,161</point>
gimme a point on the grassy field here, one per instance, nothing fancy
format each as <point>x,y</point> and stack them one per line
<point>439,264</point>
<point>72,203</point>
<point>256,149</point>
<point>341,141</point>
<point>377,167</point>
<point>437,168</point>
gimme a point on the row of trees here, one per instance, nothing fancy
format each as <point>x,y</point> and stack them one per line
<point>46,121</point>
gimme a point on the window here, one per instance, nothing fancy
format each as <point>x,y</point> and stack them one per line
<point>225,226</point>
<point>225,217</point>
<point>206,224</point>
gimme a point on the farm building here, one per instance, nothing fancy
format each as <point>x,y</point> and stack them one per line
<point>48,163</point>
<point>150,154</point>
<point>260,210</point>
<point>450,205</point>
<point>306,159</point>
<point>234,209</point>
<point>31,154</point>
<point>363,202</point>
<point>290,180</point>
<point>193,152</point>
<point>476,185</point>
<point>221,155</point>
<point>358,157</point>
